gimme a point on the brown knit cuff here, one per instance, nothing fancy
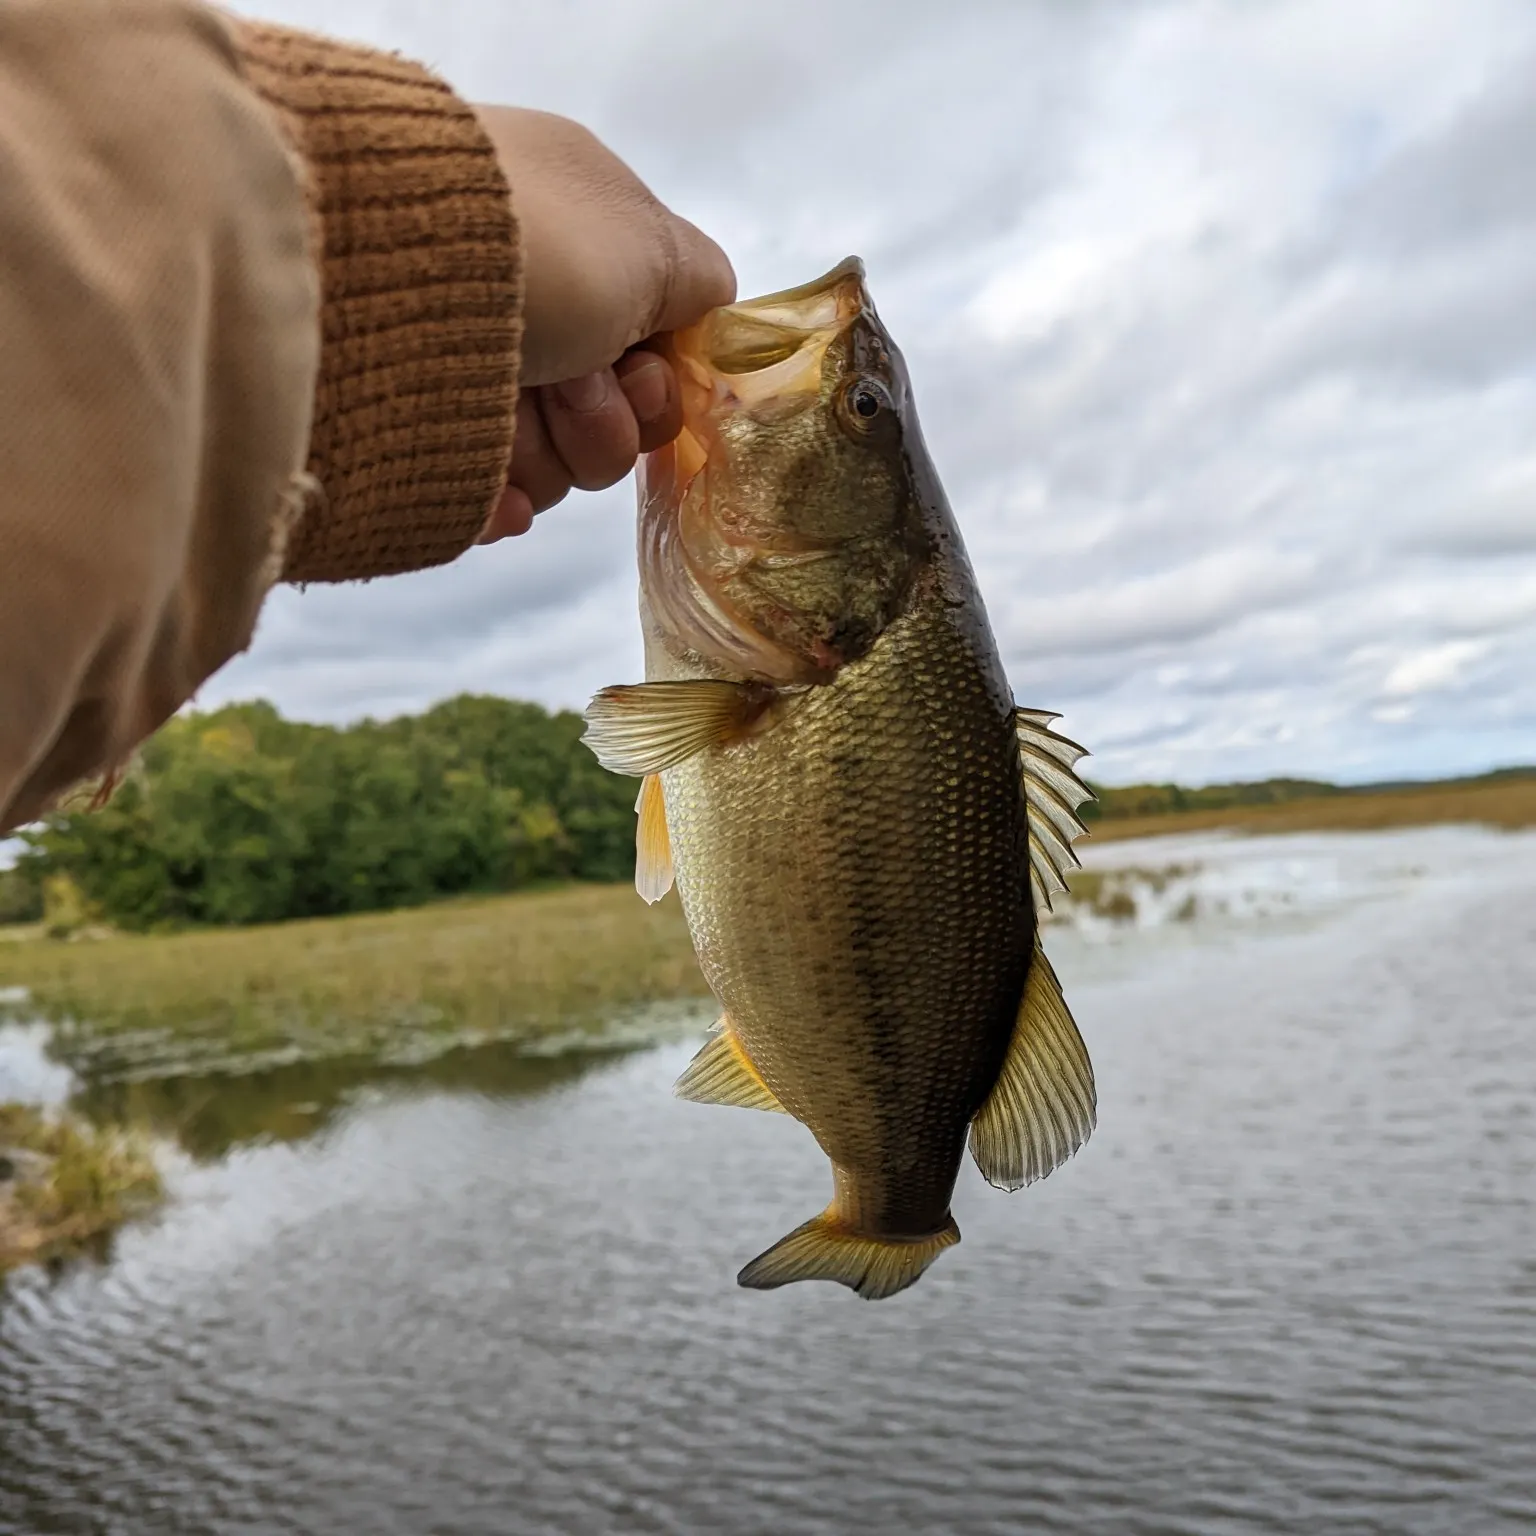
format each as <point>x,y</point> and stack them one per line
<point>421,283</point>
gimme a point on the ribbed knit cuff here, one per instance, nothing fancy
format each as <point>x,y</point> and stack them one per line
<point>421,284</point>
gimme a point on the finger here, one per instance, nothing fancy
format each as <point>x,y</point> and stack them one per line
<point>650,386</point>
<point>511,516</point>
<point>592,428</point>
<point>698,277</point>
<point>537,470</point>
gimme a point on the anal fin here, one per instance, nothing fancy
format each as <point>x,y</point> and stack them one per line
<point>653,846</point>
<point>722,1073</point>
<point>874,1267</point>
<point>1044,1105</point>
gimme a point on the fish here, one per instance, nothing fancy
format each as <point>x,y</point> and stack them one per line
<point>861,824</point>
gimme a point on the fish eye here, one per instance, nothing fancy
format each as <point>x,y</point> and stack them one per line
<point>867,398</point>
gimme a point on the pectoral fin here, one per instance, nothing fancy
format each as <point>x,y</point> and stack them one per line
<point>1052,794</point>
<point>653,848</point>
<point>643,728</point>
<point>722,1073</point>
<point>1044,1104</point>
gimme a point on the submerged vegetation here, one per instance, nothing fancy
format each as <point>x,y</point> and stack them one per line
<point>65,1185</point>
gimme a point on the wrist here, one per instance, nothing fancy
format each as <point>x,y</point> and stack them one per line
<point>421,295</point>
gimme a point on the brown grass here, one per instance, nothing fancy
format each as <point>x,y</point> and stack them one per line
<point>1509,804</point>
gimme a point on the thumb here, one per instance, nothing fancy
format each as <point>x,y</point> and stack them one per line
<point>697,278</point>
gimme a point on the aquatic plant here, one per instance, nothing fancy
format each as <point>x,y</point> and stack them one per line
<point>65,1185</point>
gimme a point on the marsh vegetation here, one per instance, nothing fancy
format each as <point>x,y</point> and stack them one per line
<point>66,1184</point>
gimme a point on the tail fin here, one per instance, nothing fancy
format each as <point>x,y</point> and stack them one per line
<point>875,1267</point>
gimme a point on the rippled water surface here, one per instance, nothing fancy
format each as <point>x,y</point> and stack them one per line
<point>1289,1286</point>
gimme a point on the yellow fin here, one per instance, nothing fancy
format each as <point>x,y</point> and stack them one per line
<point>1044,1105</point>
<point>1052,794</point>
<point>643,728</point>
<point>653,848</point>
<point>722,1073</point>
<point>875,1267</point>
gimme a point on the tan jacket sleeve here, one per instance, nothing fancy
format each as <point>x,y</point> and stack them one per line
<point>258,319</point>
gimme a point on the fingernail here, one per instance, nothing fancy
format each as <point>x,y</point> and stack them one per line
<point>646,389</point>
<point>588,393</point>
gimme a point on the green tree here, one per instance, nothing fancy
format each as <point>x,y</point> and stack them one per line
<point>240,816</point>
<point>21,897</point>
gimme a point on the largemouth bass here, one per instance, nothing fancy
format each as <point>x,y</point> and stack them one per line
<point>861,825</point>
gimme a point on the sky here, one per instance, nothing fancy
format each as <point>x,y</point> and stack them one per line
<point>1221,319</point>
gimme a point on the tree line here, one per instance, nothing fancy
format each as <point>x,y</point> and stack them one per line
<point>239,816</point>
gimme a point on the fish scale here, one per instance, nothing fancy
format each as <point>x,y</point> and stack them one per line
<point>855,875</point>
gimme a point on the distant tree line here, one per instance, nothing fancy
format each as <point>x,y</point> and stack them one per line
<point>1161,799</point>
<point>240,816</point>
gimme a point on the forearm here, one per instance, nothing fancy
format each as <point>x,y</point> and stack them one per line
<point>259,297</point>
<point>421,312</point>
<point>149,211</point>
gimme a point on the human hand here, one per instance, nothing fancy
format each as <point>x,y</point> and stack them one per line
<point>606,267</point>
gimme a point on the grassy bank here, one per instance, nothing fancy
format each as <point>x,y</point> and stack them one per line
<point>1509,804</point>
<point>510,967</point>
<point>65,1185</point>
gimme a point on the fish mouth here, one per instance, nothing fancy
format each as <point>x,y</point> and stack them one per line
<point>764,358</point>
<point>770,351</point>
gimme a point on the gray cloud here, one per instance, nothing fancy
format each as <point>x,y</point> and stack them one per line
<point>1222,321</point>
<point>1466,178</point>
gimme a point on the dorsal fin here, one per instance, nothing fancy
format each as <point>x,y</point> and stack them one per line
<point>1052,793</point>
<point>1044,1104</point>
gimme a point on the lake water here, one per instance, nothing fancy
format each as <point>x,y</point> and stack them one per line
<point>1289,1286</point>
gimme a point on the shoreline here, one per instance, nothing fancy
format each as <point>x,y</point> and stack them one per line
<point>1508,805</point>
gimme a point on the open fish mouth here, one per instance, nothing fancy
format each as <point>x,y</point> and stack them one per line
<point>764,358</point>
<point>771,350</point>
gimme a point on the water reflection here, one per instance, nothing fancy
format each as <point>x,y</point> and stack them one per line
<point>209,1114</point>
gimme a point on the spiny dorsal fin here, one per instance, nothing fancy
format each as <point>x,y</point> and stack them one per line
<point>875,1267</point>
<point>722,1073</point>
<point>1052,793</point>
<point>1044,1105</point>
<point>642,728</point>
<point>653,847</point>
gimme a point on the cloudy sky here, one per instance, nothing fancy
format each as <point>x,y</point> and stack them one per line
<point>1221,317</point>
